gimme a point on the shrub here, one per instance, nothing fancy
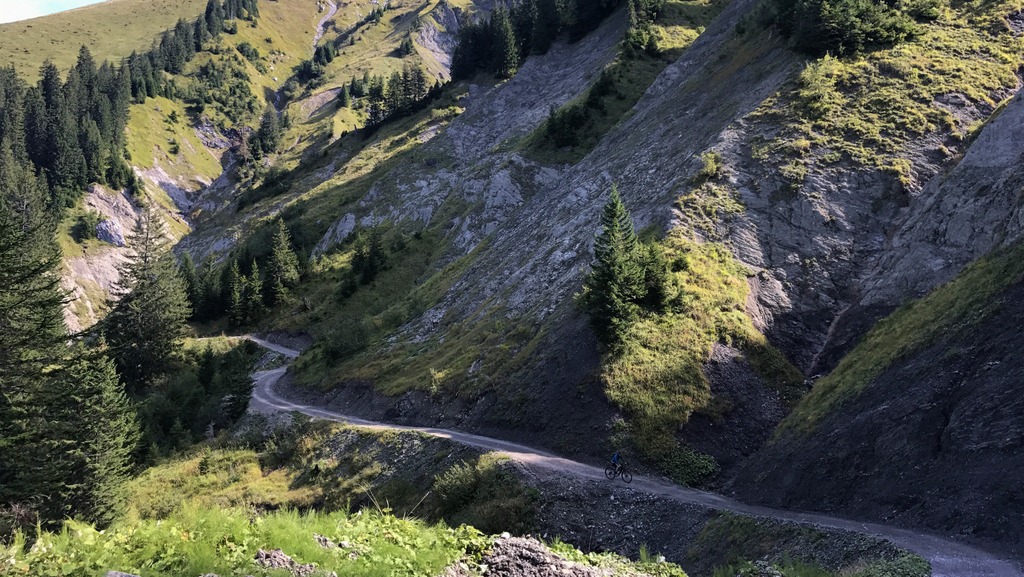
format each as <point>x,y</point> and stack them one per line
<point>85,228</point>
<point>486,495</point>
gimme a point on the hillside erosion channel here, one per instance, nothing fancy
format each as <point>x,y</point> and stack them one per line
<point>664,516</point>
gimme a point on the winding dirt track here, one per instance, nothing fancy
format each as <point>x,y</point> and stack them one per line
<point>948,558</point>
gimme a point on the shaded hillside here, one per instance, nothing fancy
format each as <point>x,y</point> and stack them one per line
<point>922,423</point>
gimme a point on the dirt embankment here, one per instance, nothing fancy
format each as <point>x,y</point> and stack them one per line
<point>935,441</point>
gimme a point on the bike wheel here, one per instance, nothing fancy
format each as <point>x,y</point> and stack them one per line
<point>627,476</point>
<point>609,472</point>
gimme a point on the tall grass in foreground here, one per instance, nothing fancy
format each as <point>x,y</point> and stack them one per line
<point>196,541</point>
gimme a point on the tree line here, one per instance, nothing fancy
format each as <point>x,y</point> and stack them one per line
<point>239,289</point>
<point>817,27</point>
<point>70,405</point>
<point>499,43</point>
<point>402,94</point>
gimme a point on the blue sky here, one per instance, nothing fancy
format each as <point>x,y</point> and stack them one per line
<point>11,10</point>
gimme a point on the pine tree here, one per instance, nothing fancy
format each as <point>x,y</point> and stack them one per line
<point>233,292</point>
<point>547,25</point>
<point>187,272</point>
<point>31,306</point>
<point>506,50</point>
<point>615,286</point>
<point>103,431</point>
<point>268,136</point>
<point>214,17</point>
<point>252,295</point>
<point>144,326</point>
<point>283,268</point>
<point>66,430</point>
<point>211,303</point>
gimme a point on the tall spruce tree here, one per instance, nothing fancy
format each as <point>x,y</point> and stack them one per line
<point>233,294</point>
<point>150,316</point>
<point>506,50</point>
<point>66,429</point>
<point>252,295</point>
<point>616,284</point>
<point>283,267</point>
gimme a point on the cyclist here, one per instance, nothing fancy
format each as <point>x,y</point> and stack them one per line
<point>618,462</point>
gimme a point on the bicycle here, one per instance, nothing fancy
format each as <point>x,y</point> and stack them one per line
<point>611,471</point>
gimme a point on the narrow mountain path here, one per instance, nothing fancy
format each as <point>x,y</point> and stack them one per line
<point>321,28</point>
<point>948,558</point>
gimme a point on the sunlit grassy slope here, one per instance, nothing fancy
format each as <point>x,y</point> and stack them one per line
<point>159,134</point>
<point>110,29</point>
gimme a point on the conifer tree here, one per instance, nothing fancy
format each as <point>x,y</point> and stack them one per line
<point>233,292</point>
<point>546,28</point>
<point>616,284</point>
<point>252,295</point>
<point>102,432</point>
<point>209,279</point>
<point>506,50</point>
<point>66,429</point>
<point>283,267</point>
<point>187,272</point>
<point>144,326</point>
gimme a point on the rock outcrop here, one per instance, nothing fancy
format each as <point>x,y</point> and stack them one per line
<point>109,231</point>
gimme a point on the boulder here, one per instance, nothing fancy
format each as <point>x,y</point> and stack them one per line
<point>109,231</point>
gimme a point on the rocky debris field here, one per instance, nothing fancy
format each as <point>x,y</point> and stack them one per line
<point>611,516</point>
<point>528,557</point>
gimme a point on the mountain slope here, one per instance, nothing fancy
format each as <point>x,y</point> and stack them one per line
<point>922,423</point>
<point>111,29</point>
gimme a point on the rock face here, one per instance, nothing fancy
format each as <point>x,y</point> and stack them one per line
<point>936,441</point>
<point>960,216</point>
<point>109,231</point>
<point>337,234</point>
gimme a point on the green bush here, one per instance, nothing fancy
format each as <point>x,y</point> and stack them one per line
<point>85,227</point>
<point>486,495</point>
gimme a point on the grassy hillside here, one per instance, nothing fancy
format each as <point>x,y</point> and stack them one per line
<point>214,511</point>
<point>111,30</point>
<point>871,109</point>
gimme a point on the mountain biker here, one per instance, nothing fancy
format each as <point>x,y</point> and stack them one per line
<point>618,461</point>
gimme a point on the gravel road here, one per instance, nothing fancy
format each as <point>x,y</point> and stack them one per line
<point>948,558</point>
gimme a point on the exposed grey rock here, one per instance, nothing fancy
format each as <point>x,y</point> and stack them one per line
<point>337,234</point>
<point>958,217</point>
<point>119,574</point>
<point>277,559</point>
<point>109,231</point>
<point>324,541</point>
